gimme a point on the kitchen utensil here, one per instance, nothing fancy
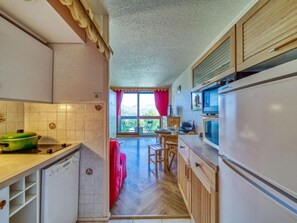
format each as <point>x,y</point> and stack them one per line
<point>19,140</point>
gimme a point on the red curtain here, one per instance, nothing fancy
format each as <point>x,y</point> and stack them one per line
<point>161,102</point>
<point>119,95</point>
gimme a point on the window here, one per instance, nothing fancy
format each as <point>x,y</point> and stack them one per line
<point>138,114</point>
<point>129,112</point>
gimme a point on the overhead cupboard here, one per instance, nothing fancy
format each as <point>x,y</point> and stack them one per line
<point>268,30</point>
<point>25,65</point>
<point>264,37</point>
<point>217,63</point>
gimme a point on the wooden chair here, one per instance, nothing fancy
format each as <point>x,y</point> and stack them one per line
<point>172,147</point>
<point>155,156</point>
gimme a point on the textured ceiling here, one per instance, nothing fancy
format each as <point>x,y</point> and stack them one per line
<point>154,41</point>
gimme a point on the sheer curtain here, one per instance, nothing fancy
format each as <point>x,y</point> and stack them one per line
<point>161,101</point>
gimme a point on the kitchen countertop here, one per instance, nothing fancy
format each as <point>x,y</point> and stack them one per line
<point>206,152</point>
<point>15,166</point>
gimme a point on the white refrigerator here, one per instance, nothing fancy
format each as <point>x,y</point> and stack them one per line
<point>258,148</point>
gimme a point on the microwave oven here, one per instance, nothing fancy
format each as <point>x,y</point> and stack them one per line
<point>210,130</point>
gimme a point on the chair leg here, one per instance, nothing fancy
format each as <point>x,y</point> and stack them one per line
<point>156,161</point>
<point>171,161</point>
<point>149,155</point>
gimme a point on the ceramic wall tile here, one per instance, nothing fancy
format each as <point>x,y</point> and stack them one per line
<point>62,107</point>
<point>11,116</point>
<point>75,123</point>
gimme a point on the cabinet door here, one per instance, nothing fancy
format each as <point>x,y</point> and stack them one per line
<point>203,202</point>
<point>217,63</point>
<point>25,66</point>
<point>184,180</point>
<point>4,198</point>
<point>266,31</point>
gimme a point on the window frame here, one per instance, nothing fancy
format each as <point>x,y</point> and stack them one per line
<point>138,117</point>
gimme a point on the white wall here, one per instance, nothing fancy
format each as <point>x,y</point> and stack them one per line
<point>181,103</point>
<point>79,72</point>
<point>112,115</point>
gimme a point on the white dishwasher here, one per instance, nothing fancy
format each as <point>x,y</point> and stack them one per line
<point>59,192</point>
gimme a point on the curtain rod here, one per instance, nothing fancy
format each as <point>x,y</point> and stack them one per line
<point>138,89</point>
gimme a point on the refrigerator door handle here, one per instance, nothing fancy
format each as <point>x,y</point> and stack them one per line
<point>278,195</point>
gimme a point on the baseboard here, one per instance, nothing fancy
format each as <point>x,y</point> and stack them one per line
<point>116,217</point>
<point>94,220</point>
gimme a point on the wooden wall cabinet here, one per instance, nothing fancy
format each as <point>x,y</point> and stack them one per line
<point>25,66</point>
<point>217,63</point>
<point>267,30</point>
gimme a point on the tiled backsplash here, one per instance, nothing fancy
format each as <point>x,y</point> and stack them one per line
<point>59,123</point>
<point>81,123</point>
<point>72,122</point>
<point>11,116</point>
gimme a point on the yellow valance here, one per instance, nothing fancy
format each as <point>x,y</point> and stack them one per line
<point>84,18</point>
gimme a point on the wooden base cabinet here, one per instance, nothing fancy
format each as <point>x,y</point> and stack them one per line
<point>184,180</point>
<point>203,202</point>
<point>198,183</point>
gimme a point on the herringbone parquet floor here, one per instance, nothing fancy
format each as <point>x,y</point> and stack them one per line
<point>144,193</point>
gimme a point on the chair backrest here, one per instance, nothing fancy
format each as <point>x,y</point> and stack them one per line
<point>171,138</point>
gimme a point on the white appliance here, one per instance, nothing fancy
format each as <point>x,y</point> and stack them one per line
<point>210,130</point>
<point>59,195</point>
<point>258,147</point>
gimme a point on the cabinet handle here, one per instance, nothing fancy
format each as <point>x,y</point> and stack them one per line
<point>197,164</point>
<point>182,147</point>
<point>281,46</point>
<point>2,204</point>
<point>188,173</point>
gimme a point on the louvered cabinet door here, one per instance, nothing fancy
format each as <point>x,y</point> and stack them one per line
<point>268,30</point>
<point>217,63</point>
<point>203,202</point>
